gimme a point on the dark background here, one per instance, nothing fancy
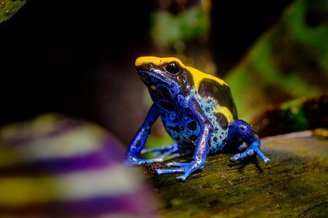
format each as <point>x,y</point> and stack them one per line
<point>76,57</point>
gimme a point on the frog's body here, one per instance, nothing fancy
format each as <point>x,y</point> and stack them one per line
<point>197,111</point>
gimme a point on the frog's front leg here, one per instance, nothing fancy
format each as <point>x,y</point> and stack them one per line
<point>139,140</point>
<point>201,150</point>
<point>240,130</point>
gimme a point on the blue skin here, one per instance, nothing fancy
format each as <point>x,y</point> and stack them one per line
<point>178,105</point>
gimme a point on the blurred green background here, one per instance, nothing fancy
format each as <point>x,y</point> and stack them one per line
<point>77,58</point>
<point>71,101</point>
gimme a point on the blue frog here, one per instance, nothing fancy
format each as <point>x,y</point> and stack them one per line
<point>197,111</point>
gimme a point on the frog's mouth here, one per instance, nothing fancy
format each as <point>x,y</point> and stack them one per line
<point>145,80</point>
<point>149,84</point>
<point>150,79</point>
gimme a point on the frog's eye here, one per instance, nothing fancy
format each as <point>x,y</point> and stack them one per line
<point>173,68</point>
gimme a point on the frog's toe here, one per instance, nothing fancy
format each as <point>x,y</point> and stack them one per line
<point>133,162</point>
<point>248,153</point>
<point>187,172</point>
<point>261,155</point>
<point>168,171</point>
<point>139,161</point>
<point>266,160</point>
<point>182,177</point>
<point>242,156</point>
<point>236,157</point>
<point>185,168</point>
<point>176,164</point>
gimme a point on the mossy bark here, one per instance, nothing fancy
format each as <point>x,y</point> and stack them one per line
<point>9,7</point>
<point>293,184</point>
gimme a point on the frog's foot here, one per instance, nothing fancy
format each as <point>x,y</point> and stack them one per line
<point>186,168</point>
<point>250,152</point>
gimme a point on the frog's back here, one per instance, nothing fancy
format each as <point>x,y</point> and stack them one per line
<point>209,86</point>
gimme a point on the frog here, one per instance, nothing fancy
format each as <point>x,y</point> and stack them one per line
<point>197,111</point>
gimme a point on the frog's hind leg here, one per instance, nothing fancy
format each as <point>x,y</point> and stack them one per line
<point>254,148</point>
<point>240,130</point>
<point>162,153</point>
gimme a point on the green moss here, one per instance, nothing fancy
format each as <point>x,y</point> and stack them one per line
<point>9,7</point>
<point>292,184</point>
